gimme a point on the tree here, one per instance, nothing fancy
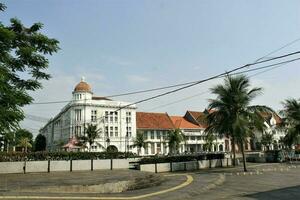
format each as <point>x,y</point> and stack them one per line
<point>209,141</point>
<point>233,115</point>
<point>291,121</point>
<point>91,133</point>
<point>139,142</point>
<point>174,139</point>
<point>7,140</point>
<point>40,143</point>
<point>23,133</point>
<point>24,144</point>
<point>22,65</point>
<point>267,140</point>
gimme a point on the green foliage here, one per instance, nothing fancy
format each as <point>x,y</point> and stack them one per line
<point>139,142</point>
<point>21,156</point>
<point>91,133</point>
<point>291,122</point>
<point>233,115</point>
<point>267,139</point>
<point>181,158</point>
<point>174,139</point>
<point>23,133</point>
<point>22,64</point>
<point>24,143</point>
<point>40,143</point>
<point>209,141</point>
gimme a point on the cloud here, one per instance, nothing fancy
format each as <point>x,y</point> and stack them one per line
<point>137,79</point>
<point>117,61</point>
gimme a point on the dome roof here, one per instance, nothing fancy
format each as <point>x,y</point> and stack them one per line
<point>83,86</point>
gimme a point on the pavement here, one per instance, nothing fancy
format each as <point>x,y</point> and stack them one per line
<point>262,181</point>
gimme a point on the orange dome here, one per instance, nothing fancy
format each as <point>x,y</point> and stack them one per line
<point>82,87</point>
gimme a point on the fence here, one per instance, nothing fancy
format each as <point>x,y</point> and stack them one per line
<point>186,166</point>
<point>62,165</point>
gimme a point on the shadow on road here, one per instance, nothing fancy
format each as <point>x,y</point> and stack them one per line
<point>283,193</point>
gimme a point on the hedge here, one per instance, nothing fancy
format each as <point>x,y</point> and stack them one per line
<point>181,158</point>
<point>35,156</point>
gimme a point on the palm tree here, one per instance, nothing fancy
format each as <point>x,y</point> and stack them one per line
<point>91,133</point>
<point>209,141</point>
<point>174,139</point>
<point>24,143</point>
<point>291,121</point>
<point>233,115</point>
<point>139,142</point>
<point>267,139</point>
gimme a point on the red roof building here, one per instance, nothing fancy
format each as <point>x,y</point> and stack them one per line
<point>153,121</point>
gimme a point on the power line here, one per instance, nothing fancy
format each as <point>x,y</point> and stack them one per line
<point>208,79</point>
<point>280,48</point>
<point>176,85</point>
<point>207,91</point>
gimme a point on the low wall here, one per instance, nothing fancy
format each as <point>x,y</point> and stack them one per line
<point>59,165</point>
<point>186,166</point>
<point>11,167</point>
<point>62,165</point>
<point>36,166</point>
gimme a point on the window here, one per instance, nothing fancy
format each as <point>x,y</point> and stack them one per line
<point>116,116</point>
<point>165,135</point>
<point>128,131</point>
<point>111,116</point>
<point>116,132</point>
<point>111,131</point>
<point>152,135</point>
<point>146,149</point>
<point>106,131</point>
<point>145,135</point>
<point>152,148</point>
<point>94,115</point>
<point>158,133</point>
<point>106,116</point>
<point>128,117</point>
<point>78,130</point>
<point>158,148</point>
<point>77,114</point>
<point>193,137</point>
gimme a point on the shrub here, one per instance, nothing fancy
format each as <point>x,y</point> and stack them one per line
<point>43,155</point>
<point>180,158</point>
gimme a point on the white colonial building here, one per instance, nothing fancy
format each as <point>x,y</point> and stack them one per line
<point>116,124</point>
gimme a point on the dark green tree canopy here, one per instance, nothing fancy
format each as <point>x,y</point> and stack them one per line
<point>23,133</point>
<point>233,115</point>
<point>291,121</point>
<point>23,63</point>
<point>40,143</point>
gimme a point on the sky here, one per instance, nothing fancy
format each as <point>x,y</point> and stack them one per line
<point>127,45</point>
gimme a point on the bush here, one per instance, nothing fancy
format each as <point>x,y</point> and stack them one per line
<point>275,155</point>
<point>180,158</point>
<point>43,155</point>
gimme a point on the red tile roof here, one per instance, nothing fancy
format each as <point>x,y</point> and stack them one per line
<point>182,123</point>
<point>267,116</point>
<point>199,117</point>
<point>146,120</point>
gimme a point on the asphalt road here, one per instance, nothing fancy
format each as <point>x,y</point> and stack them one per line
<point>262,182</point>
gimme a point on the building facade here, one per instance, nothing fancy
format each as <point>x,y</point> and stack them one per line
<point>156,126</point>
<point>115,122</point>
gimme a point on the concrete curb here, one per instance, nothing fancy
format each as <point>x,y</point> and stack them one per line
<point>262,171</point>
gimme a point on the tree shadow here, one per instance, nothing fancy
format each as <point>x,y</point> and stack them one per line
<point>283,193</point>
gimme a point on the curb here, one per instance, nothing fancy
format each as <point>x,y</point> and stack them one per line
<point>262,171</point>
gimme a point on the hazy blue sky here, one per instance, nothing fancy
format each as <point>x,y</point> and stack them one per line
<point>126,45</point>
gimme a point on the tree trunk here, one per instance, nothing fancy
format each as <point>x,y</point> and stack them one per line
<point>233,149</point>
<point>243,153</point>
